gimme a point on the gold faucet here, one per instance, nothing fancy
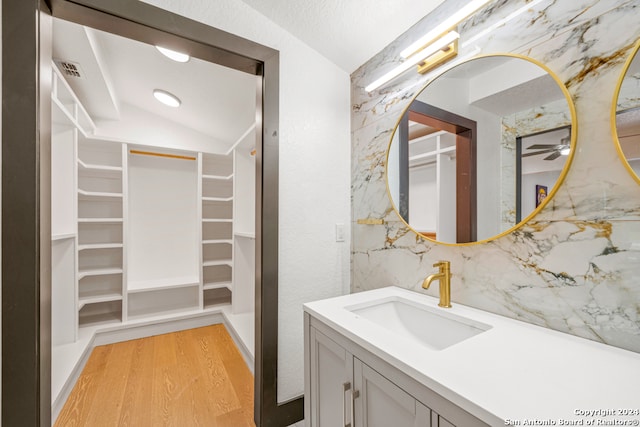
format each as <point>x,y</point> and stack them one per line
<point>444,277</point>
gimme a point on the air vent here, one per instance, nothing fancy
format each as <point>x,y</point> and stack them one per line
<point>69,68</point>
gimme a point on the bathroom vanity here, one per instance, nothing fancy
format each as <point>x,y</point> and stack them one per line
<point>392,357</point>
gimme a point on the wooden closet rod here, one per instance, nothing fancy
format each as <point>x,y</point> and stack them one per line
<point>171,156</point>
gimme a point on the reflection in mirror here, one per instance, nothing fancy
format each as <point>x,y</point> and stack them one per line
<point>539,161</point>
<point>480,149</point>
<point>628,113</point>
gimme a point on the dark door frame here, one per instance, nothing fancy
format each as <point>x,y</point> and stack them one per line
<point>466,154</point>
<point>26,140</point>
<point>519,153</point>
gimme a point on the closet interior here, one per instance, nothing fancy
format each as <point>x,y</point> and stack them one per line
<point>153,207</point>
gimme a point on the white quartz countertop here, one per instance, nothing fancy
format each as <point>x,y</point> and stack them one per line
<point>512,374</point>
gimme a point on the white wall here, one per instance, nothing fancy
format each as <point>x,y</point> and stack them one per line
<point>314,172</point>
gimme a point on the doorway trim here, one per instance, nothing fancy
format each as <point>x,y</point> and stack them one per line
<point>465,131</point>
<point>26,285</point>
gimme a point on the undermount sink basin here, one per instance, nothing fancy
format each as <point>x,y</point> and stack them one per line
<point>432,327</point>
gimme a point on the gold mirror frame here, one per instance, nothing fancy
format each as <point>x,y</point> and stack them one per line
<point>563,172</point>
<point>614,111</point>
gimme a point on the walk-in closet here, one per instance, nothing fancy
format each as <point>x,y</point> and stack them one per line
<point>153,205</point>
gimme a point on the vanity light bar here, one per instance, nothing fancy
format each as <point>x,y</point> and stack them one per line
<point>503,21</point>
<point>444,26</point>
<point>445,41</point>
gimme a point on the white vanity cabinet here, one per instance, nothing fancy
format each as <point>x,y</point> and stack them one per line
<point>346,385</point>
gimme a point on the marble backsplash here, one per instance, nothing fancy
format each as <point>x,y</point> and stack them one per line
<point>575,267</point>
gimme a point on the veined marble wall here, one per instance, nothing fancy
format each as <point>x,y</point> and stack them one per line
<point>576,266</point>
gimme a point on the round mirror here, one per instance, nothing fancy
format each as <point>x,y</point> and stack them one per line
<point>480,149</point>
<point>627,113</point>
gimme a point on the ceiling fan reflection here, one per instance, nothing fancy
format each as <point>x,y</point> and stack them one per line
<point>556,150</point>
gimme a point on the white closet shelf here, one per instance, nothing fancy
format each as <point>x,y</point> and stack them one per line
<point>217,199</point>
<point>158,284</point>
<point>100,220</point>
<point>101,168</point>
<point>217,220</point>
<point>214,241</point>
<point>98,272</point>
<point>217,262</point>
<point>83,194</point>
<point>217,177</point>
<point>93,320</point>
<point>100,246</point>
<point>217,285</point>
<point>432,153</point>
<point>60,115</point>
<point>97,298</point>
<point>245,234</point>
<point>63,236</point>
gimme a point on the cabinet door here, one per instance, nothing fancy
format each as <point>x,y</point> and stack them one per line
<point>381,403</point>
<point>438,421</point>
<point>330,382</point>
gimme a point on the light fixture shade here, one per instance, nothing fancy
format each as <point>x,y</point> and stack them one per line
<point>166,98</point>
<point>172,54</point>
<point>444,26</point>
<point>421,56</point>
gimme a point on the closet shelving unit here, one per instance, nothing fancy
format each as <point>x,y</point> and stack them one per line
<point>217,228</point>
<point>69,120</point>
<point>100,166</point>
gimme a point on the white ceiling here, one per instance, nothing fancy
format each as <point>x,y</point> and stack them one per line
<point>347,32</point>
<point>216,101</point>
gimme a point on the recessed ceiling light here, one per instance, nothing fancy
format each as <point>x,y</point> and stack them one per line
<point>166,98</point>
<point>172,54</point>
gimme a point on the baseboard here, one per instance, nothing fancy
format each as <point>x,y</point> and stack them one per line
<point>244,351</point>
<point>133,331</point>
<point>142,329</point>
<point>62,397</point>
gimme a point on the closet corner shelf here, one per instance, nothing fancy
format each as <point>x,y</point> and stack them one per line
<point>94,299</point>
<point>217,220</point>
<point>99,246</point>
<point>227,262</point>
<point>432,153</point>
<point>245,234</point>
<point>100,220</point>
<point>63,236</point>
<point>217,177</point>
<point>217,241</point>
<point>83,194</point>
<point>98,272</point>
<point>101,168</point>
<point>90,321</point>
<point>217,285</point>
<point>217,199</point>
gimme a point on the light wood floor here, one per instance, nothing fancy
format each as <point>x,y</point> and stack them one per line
<point>190,378</point>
